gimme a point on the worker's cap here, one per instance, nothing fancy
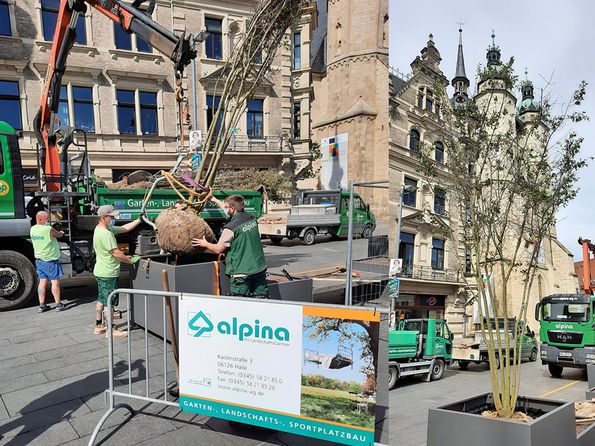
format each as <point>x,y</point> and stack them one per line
<point>106,210</point>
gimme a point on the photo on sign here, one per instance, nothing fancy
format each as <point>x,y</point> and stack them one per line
<point>339,371</point>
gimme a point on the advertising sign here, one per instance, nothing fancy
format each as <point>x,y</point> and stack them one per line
<point>334,162</point>
<point>306,370</point>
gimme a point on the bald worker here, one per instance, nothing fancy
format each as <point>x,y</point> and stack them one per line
<point>47,259</point>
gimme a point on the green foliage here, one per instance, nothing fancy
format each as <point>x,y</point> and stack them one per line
<point>336,406</point>
<point>324,382</point>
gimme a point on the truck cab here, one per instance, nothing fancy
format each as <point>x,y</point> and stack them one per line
<point>567,331</point>
<point>419,347</point>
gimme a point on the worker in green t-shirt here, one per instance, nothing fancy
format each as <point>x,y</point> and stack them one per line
<point>245,263</point>
<point>47,259</point>
<point>107,264</point>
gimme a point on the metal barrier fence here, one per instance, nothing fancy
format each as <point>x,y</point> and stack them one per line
<point>111,393</point>
<point>367,251</point>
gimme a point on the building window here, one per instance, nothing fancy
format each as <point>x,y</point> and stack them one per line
<point>297,120</point>
<point>439,201</point>
<point>84,117</point>
<point>437,253</point>
<point>406,250</point>
<point>420,98</point>
<point>122,38</point>
<point>5,28</point>
<point>49,15</point>
<point>297,51</point>
<point>410,195</point>
<point>148,113</point>
<point>123,41</point>
<point>213,46</point>
<point>437,107</point>
<point>429,100</point>
<point>10,104</point>
<point>439,152</point>
<point>63,118</point>
<point>143,46</point>
<point>414,140</point>
<point>467,261</point>
<point>126,112</point>
<point>212,105</point>
<point>255,118</point>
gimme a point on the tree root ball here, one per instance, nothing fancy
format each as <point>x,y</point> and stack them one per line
<point>176,229</point>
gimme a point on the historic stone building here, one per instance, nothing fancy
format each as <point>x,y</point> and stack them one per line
<point>432,281</point>
<point>121,91</point>
<point>350,88</point>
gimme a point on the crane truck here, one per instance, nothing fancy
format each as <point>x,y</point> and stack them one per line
<point>70,189</point>
<point>567,323</point>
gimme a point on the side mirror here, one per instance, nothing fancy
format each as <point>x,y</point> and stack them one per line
<point>538,311</point>
<point>452,337</point>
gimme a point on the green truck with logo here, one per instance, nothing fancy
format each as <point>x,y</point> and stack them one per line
<point>73,209</point>
<point>321,212</point>
<point>567,331</point>
<point>419,347</point>
<point>567,328</point>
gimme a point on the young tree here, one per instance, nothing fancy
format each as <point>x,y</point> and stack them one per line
<point>509,173</point>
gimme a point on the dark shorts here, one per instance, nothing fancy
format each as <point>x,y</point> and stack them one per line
<point>105,286</point>
<point>251,286</point>
<point>51,270</point>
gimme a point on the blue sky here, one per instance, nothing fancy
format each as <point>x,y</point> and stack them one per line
<point>552,39</point>
<point>329,346</point>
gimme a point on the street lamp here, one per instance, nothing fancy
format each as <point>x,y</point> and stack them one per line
<point>404,188</point>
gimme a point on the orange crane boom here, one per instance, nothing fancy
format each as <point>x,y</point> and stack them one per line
<point>588,248</point>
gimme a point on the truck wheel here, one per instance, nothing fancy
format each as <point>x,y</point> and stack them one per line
<point>17,280</point>
<point>437,370</point>
<point>393,376</point>
<point>533,356</point>
<point>463,365</point>
<point>275,240</point>
<point>367,232</point>
<point>309,237</point>
<point>555,370</point>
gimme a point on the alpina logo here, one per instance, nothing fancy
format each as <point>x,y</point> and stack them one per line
<point>200,324</point>
<point>564,326</point>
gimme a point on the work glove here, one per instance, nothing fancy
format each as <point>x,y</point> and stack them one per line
<point>134,259</point>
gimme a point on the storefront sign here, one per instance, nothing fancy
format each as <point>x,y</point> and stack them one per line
<point>431,301</point>
<point>299,369</point>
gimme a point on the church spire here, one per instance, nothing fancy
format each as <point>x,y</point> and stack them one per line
<point>460,82</point>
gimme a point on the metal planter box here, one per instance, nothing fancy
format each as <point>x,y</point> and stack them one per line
<point>587,437</point>
<point>452,425</point>
<point>591,375</point>
<point>200,278</point>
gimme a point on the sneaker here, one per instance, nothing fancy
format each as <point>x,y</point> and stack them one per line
<point>116,333</point>
<point>99,329</point>
<point>43,308</point>
<point>60,307</point>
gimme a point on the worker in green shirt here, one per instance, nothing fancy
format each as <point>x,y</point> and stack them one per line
<point>245,263</point>
<point>107,264</point>
<point>47,259</point>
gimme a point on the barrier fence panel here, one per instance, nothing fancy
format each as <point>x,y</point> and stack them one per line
<point>279,365</point>
<point>367,251</point>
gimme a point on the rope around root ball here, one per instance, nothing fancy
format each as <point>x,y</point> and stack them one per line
<point>176,229</point>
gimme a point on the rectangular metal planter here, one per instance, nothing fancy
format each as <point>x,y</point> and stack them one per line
<point>591,375</point>
<point>590,394</point>
<point>451,425</point>
<point>198,278</point>
<point>587,437</point>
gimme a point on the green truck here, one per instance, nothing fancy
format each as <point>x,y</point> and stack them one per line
<point>567,331</point>
<point>76,204</point>
<point>324,212</point>
<point>419,347</point>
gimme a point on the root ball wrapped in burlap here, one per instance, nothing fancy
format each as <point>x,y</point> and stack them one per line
<point>176,229</point>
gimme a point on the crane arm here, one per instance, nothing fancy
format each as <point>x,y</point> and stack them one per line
<point>179,49</point>
<point>588,248</point>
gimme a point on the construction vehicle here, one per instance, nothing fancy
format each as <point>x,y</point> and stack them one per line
<point>465,353</point>
<point>318,213</point>
<point>70,189</point>
<point>419,347</point>
<point>567,323</point>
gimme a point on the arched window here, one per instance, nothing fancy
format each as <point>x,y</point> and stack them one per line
<point>439,152</point>
<point>414,139</point>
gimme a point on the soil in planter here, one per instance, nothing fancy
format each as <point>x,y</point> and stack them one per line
<point>489,410</point>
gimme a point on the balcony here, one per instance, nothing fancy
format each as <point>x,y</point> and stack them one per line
<point>266,144</point>
<point>428,273</point>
